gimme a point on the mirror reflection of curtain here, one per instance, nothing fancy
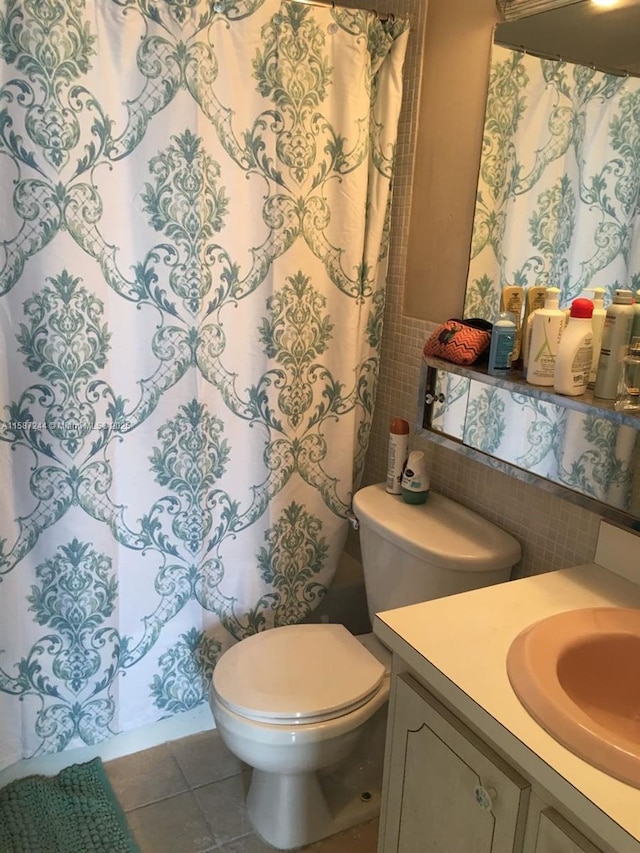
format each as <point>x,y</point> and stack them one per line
<point>586,453</point>
<point>557,198</point>
<point>450,407</point>
<point>596,457</point>
<point>557,204</point>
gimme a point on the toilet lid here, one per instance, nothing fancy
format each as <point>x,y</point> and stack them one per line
<point>297,672</point>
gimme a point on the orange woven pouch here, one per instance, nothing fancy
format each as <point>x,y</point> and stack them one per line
<point>459,341</point>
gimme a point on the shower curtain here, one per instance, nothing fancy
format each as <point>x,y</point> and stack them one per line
<point>194,221</point>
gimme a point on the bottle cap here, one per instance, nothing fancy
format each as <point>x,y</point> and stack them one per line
<point>598,296</point>
<point>623,297</point>
<point>581,308</point>
<point>399,426</point>
<point>552,297</point>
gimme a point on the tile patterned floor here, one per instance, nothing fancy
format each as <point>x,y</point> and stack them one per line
<point>187,796</point>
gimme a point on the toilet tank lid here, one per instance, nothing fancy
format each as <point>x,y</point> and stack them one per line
<point>439,531</point>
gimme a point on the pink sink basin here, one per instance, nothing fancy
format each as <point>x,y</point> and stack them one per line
<point>578,674</point>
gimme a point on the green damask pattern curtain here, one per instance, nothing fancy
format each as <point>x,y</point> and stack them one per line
<point>194,219</point>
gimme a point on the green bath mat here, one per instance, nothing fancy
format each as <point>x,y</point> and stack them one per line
<point>73,812</point>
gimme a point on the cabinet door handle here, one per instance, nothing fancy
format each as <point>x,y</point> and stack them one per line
<point>484,797</point>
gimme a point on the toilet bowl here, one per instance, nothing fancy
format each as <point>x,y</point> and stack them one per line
<point>305,705</point>
<point>294,703</point>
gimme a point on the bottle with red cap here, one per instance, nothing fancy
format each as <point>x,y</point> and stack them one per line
<point>575,351</point>
<point>397,454</point>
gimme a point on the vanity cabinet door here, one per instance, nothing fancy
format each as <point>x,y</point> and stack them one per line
<point>446,790</point>
<point>553,834</point>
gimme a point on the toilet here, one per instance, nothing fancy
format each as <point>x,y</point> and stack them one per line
<point>305,705</point>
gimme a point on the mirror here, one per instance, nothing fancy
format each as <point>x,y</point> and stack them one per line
<point>559,178</point>
<point>605,37</point>
<point>589,457</point>
<point>577,446</point>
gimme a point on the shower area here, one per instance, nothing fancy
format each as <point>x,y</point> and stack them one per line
<point>195,220</point>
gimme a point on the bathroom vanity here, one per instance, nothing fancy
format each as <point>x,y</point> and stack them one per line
<point>466,767</point>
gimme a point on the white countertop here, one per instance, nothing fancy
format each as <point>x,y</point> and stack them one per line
<point>458,646</point>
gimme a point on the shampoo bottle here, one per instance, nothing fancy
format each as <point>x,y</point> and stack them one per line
<point>597,326</point>
<point>575,351</point>
<point>616,337</point>
<point>512,301</point>
<point>546,330</point>
<point>534,299</point>
<point>397,454</point>
<point>503,337</point>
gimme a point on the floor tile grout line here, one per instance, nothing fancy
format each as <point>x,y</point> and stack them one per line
<point>156,802</point>
<point>213,781</point>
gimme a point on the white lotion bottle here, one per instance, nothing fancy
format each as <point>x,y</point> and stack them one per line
<point>597,325</point>
<point>575,351</point>
<point>616,337</point>
<point>546,330</point>
<point>397,454</point>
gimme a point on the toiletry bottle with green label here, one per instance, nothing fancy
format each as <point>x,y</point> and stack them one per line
<point>546,330</point>
<point>415,480</point>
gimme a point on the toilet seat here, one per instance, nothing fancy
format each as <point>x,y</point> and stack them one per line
<point>297,674</point>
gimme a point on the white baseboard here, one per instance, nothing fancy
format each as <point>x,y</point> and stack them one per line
<point>173,728</point>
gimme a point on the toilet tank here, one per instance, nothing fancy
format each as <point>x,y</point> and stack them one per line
<point>413,553</point>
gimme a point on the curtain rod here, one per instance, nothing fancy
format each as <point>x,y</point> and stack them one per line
<point>555,57</point>
<point>332,4</point>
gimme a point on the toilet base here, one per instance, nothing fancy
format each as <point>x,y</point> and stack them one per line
<point>293,810</point>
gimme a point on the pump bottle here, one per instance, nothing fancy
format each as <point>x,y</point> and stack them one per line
<point>546,329</point>
<point>535,299</point>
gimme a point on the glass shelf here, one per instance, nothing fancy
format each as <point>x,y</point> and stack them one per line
<point>514,382</point>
